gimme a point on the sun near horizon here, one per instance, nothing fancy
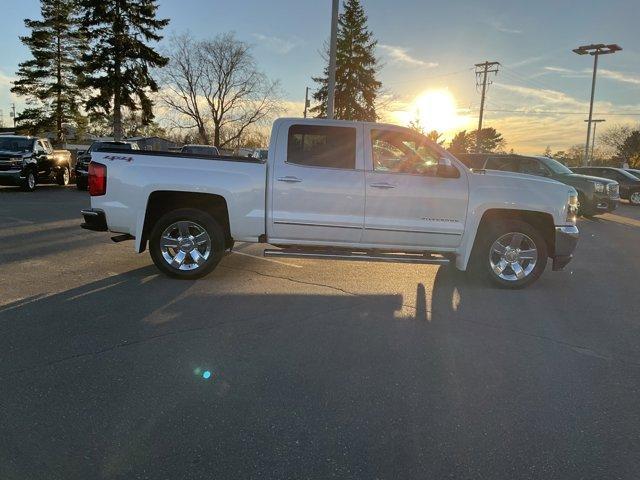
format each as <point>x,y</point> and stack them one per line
<point>435,110</point>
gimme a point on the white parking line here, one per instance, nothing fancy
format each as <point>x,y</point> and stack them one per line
<point>267,259</point>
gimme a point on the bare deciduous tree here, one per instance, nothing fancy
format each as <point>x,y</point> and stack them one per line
<point>216,85</point>
<point>182,80</point>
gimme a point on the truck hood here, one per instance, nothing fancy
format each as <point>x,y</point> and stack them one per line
<point>579,176</point>
<point>521,176</point>
<point>9,153</point>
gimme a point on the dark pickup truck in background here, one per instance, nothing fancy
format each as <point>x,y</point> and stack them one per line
<point>629,183</point>
<point>596,195</point>
<point>27,161</point>
<point>84,158</point>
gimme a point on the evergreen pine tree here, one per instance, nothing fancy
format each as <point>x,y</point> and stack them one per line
<point>118,62</point>
<point>48,80</point>
<point>356,68</point>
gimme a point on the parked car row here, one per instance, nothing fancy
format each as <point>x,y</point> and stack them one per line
<point>26,161</point>
<point>599,188</point>
<point>629,183</point>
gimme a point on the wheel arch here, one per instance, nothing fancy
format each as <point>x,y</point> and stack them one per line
<point>543,221</point>
<point>162,201</point>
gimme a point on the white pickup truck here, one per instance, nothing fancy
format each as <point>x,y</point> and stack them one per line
<point>334,190</point>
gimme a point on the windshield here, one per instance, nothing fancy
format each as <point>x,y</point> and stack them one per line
<point>556,166</point>
<point>635,173</point>
<point>16,144</point>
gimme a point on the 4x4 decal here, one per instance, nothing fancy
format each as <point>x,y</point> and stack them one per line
<point>116,157</point>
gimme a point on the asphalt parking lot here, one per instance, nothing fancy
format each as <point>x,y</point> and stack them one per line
<point>315,369</point>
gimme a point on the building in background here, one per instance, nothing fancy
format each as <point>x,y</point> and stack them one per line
<point>155,144</point>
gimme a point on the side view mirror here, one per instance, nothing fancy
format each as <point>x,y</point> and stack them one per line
<point>446,169</point>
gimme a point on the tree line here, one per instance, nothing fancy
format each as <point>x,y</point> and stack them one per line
<point>96,65</point>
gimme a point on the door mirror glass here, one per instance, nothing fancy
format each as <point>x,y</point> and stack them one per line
<point>446,169</point>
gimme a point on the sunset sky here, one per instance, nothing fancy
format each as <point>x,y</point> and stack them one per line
<point>427,50</point>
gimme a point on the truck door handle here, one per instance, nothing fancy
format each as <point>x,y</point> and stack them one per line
<point>382,185</point>
<point>289,179</point>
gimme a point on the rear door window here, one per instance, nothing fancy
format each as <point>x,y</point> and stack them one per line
<point>322,146</point>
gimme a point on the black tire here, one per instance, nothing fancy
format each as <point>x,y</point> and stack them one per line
<point>583,209</point>
<point>81,183</point>
<point>634,198</point>
<point>200,219</point>
<point>483,253</point>
<point>30,181</point>
<point>63,177</point>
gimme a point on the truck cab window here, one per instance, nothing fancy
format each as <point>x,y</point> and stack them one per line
<point>320,146</point>
<point>402,152</point>
<point>505,164</point>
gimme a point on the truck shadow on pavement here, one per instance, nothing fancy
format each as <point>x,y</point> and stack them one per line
<point>138,375</point>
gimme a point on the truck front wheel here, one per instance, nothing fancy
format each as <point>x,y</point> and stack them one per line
<point>30,181</point>
<point>512,254</point>
<point>186,243</point>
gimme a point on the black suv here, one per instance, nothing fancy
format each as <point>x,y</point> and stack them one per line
<point>84,158</point>
<point>629,183</point>
<point>596,195</point>
<point>27,161</point>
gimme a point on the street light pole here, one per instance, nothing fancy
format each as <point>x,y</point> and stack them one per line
<point>593,140</point>
<point>331,86</point>
<point>594,50</point>
<point>585,162</point>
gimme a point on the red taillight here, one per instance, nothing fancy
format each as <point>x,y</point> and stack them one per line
<point>97,179</point>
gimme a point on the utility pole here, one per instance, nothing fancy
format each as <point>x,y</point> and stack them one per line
<point>13,114</point>
<point>593,141</point>
<point>595,50</point>
<point>331,87</point>
<point>306,101</point>
<point>482,70</point>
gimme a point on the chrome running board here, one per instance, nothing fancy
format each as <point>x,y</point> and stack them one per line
<point>358,256</point>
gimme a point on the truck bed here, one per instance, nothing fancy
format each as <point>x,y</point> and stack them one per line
<point>179,155</point>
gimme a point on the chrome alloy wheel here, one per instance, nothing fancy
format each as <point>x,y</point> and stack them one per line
<point>635,198</point>
<point>513,256</point>
<point>66,176</point>
<point>31,180</point>
<point>185,245</point>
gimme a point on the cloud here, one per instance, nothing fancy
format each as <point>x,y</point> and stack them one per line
<point>500,26</point>
<point>619,76</point>
<point>545,96</point>
<point>558,70</point>
<point>6,97</point>
<point>602,72</point>
<point>526,61</point>
<point>278,45</point>
<point>400,55</point>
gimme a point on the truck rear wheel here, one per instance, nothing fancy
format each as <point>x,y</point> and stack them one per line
<point>63,177</point>
<point>512,254</point>
<point>186,243</point>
